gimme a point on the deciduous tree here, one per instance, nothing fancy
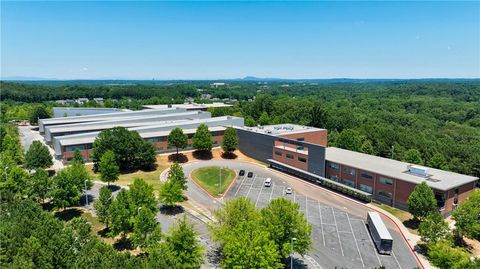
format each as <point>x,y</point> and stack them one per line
<point>230,140</point>
<point>467,216</point>
<point>170,193</point>
<point>442,255</point>
<point>77,156</point>
<point>202,139</point>
<point>121,213</point>
<point>413,156</point>
<point>177,176</point>
<point>434,228</point>
<point>142,195</point>
<point>102,205</point>
<point>184,245</point>
<point>144,227</point>
<point>108,167</point>
<point>40,185</point>
<point>421,201</point>
<point>38,156</point>
<point>177,139</point>
<point>39,112</point>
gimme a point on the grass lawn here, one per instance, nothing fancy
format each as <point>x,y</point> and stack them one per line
<point>405,217</point>
<point>209,178</point>
<point>150,177</point>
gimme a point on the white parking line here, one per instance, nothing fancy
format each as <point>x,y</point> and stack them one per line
<point>321,222</point>
<point>294,196</point>
<point>355,239</point>
<point>258,196</point>
<point>338,235</point>
<point>399,266</point>
<point>306,207</point>
<point>271,193</point>
<point>251,186</point>
<point>374,248</point>
<point>241,183</point>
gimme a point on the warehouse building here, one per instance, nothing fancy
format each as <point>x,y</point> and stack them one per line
<point>189,106</point>
<point>59,112</point>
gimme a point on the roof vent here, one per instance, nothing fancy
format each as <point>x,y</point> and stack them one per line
<point>418,170</point>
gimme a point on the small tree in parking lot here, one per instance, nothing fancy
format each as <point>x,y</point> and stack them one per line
<point>177,139</point>
<point>421,201</point>
<point>108,167</point>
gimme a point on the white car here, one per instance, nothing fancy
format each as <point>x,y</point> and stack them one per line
<point>288,190</point>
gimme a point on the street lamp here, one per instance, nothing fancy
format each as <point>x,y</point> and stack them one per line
<point>291,251</point>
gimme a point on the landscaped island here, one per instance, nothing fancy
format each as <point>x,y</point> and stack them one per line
<point>214,179</point>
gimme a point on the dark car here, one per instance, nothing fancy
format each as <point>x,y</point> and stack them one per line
<point>250,174</point>
<point>241,173</point>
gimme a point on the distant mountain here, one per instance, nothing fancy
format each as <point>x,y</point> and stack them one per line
<point>20,78</point>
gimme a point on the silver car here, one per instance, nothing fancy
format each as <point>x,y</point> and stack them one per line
<point>288,190</point>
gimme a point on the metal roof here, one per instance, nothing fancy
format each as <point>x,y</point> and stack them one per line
<point>437,179</point>
<point>282,129</point>
<point>380,225</point>
<point>189,106</point>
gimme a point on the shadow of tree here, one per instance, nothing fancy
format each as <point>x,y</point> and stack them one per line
<point>68,214</point>
<point>82,201</point>
<point>411,223</point>
<point>123,244</point>
<point>229,155</point>
<point>114,188</point>
<point>179,158</point>
<point>214,255</point>
<point>171,210</point>
<point>202,155</point>
<point>104,232</point>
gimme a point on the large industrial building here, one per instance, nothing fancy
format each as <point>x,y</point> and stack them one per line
<point>294,149</point>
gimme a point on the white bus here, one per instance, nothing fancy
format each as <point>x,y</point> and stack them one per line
<point>380,235</point>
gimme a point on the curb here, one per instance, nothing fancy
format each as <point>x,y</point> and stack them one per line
<point>205,190</point>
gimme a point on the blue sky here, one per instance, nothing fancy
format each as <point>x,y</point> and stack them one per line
<point>211,40</point>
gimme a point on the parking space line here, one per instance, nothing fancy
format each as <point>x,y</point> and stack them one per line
<point>355,239</point>
<point>294,196</point>
<point>258,196</point>
<point>251,186</point>
<point>344,232</point>
<point>374,248</point>
<point>338,235</point>
<point>241,183</point>
<point>399,266</point>
<point>321,222</point>
<point>306,207</point>
<point>271,193</point>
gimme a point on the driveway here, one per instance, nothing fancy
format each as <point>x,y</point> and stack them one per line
<point>28,135</point>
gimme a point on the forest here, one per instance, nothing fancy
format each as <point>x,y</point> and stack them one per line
<point>430,122</point>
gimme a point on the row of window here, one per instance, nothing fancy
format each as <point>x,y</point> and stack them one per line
<point>363,174</point>
<point>362,187</point>
<point>290,156</point>
<point>79,147</point>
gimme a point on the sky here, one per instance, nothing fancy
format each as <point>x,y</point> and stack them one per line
<point>220,40</point>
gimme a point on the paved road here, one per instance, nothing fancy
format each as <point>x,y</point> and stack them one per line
<point>340,237</point>
<point>27,136</point>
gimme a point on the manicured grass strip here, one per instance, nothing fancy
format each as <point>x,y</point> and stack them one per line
<point>209,179</point>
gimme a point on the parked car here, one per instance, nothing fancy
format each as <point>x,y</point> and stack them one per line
<point>241,173</point>
<point>268,182</point>
<point>250,174</point>
<point>288,190</point>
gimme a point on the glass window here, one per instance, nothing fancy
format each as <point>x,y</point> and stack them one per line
<point>334,166</point>
<point>366,188</point>
<point>386,181</point>
<point>301,139</point>
<point>73,148</point>
<point>349,170</point>
<point>385,194</point>
<point>350,183</point>
<point>334,178</point>
<point>302,159</point>
<point>366,175</point>
<point>289,156</point>
<point>278,153</point>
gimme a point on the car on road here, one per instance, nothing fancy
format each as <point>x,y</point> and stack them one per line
<point>241,173</point>
<point>288,190</point>
<point>268,182</point>
<point>250,174</point>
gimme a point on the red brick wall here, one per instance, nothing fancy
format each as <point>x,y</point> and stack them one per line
<point>315,137</point>
<point>292,162</point>
<point>463,192</point>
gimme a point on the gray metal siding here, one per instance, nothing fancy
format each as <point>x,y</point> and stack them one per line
<point>255,145</point>
<point>316,160</point>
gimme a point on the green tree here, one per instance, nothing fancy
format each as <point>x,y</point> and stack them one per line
<point>421,201</point>
<point>69,185</point>
<point>230,140</point>
<point>202,139</point>
<point>264,119</point>
<point>283,220</point>
<point>102,205</point>
<point>442,255</point>
<point>142,195</point>
<point>367,147</point>
<point>40,185</point>
<point>350,139</point>
<point>413,156</point>
<point>13,179</point>
<point>108,167</point>
<point>438,161</point>
<point>77,156</point>
<point>318,116</point>
<point>144,226</point>
<point>434,228</point>
<point>177,139</point>
<point>170,193</point>
<point>39,112</point>
<point>121,213</point>
<point>38,156</point>
<point>177,176</point>
<point>467,216</point>
<point>184,245</point>
<point>12,147</point>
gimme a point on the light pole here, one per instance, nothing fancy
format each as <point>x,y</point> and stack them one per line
<point>291,251</point>
<point>86,195</point>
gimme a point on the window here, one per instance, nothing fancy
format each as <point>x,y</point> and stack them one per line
<point>350,183</point>
<point>385,194</point>
<point>73,148</point>
<point>278,153</point>
<point>366,175</point>
<point>334,166</point>
<point>302,159</point>
<point>289,156</point>
<point>386,181</point>
<point>366,188</point>
<point>301,139</point>
<point>334,178</point>
<point>348,170</point>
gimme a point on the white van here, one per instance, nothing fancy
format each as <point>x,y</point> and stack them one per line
<point>268,182</point>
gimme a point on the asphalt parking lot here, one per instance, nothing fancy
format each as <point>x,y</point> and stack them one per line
<point>339,238</point>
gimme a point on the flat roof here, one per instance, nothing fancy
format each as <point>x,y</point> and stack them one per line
<point>188,106</point>
<point>435,178</point>
<point>282,129</point>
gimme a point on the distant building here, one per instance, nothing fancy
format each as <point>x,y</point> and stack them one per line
<point>98,100</point>
<point>81,111</point>
<point>218,84</point>
<point>206,96</point>
<point>81,101</point>
<point>192,106</point>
